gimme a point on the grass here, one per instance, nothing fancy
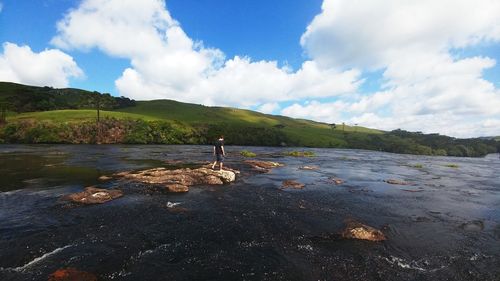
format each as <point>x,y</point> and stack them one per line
<point>417,166</point>
<point>300,153</point>
<point>74,115</point>
<point>454,166</point>
<point>246,153</point>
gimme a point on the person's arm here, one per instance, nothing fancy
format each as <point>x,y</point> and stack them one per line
<point>214,149</point>
<point>223,152</point>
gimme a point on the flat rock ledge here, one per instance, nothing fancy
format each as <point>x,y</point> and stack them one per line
<point>180,180</point>
<point>356,230</point>
<point>263,166</point>
<point>396,182</point>
<point>292,184</point>
<point>94,195</point>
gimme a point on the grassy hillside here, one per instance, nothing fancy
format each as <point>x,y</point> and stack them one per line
<point>47,115</point>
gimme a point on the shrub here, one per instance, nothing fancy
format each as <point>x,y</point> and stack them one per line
<point>246,153</point>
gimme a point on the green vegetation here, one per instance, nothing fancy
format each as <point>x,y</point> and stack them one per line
<point>300,153</point>
<point>47,115</point>
<point>246,153</point>
<point>417,166</point>
<point>454,166</point>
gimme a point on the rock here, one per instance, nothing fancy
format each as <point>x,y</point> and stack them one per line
<point>263,166</point>
<point>177,188</point>
<point>309,168</point>
<point>180,180</point>
<point>93,195</point>
<point>412,190</point>
<point>476,225</point>
<point>398,182</point>
<point>105,178</point>
<point>71,274</point>
<point>293,184</point>
<point>356,230</point>
<point>335,180</point>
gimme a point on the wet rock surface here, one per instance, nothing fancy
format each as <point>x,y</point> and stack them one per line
<point>93,195</point>
<point>263,166</point>
<point>292,184</point>
<point>396,182</point>
<point>249,229</point>
<point>180,180</point>
<point>309,168</point>
<point>357,230</point>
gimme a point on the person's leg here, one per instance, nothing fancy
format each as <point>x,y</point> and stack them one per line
<point>220,164</point>
<point>213,165</point>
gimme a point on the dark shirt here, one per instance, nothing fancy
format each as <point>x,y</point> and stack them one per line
<point>218,146</point>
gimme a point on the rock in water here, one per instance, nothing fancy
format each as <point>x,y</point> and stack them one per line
<point>356,230</point>
<point>94,195</point>
<point>71,274</point>
<point>180,180</point>
<point>335,180</point>
<point>293,184</point>
<point>263,166</point>
<point>309,168</point>
<point>398,182</point>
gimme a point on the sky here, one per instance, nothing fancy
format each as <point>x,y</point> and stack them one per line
<point>429,66</point>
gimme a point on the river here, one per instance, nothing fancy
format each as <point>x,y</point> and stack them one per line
<point>445,225</point>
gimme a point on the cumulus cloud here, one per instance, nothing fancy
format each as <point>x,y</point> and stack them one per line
<point>425,86</point>
<point>166,63</point>
<point>48,68</point>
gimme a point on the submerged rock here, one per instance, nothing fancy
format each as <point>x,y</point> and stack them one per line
<point>105,178</point>
<point>356,230</point>
<point>263,166</point>
<point>180,180</point>
<point>476,225</point>
<point>71,274</point>
<point>335,180</point>
<point>94,195</point>
<point>398,182</point>
<point>292,184</point>
<point>309,168</point>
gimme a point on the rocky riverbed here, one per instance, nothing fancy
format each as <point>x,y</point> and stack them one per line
<point>109,213</point>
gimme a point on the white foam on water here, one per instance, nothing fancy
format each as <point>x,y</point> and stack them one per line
<point>171,205</point>
<point>403,263</point>
<point>37,260</point>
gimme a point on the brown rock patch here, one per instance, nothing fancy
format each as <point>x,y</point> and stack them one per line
<point>94,195</point>
<point>180,180</point>
<point>292,184</point>
<point>263,166</point>
<point>397,182</point>
<point>356,230</point>
<point>71,274</point>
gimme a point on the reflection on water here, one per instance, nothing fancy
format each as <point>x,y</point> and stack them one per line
<point>444,225</point>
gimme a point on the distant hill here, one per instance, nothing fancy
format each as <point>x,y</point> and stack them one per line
<point>23,98</point>
<point>48,115</point>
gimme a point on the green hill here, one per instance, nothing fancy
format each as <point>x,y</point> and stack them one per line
<point>47,115</point>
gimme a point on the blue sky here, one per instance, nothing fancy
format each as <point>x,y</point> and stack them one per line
<point>423,66</point>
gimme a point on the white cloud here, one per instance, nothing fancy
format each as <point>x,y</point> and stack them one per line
<point>426,88</point>
<point>166,63</point>
<point>326,112</point>
<point>269,108</point>
<point>47,68</point>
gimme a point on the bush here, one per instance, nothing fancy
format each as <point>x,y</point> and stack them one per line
<point>300,153</point>
<point>246,153</point>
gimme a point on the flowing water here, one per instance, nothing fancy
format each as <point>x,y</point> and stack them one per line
<point>445,225</point>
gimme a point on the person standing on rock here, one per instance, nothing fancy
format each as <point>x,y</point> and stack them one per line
<point>219,152</point>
